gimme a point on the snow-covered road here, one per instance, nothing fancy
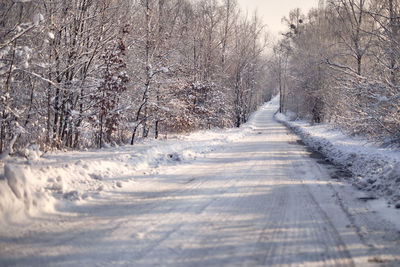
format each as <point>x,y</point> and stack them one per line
<point>258,201</point>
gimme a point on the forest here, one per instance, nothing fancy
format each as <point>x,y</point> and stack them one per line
<point>83,73</point>
<point>339,64</point>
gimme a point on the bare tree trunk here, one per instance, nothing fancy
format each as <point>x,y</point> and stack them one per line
<point>393,42</point>
<point>226,30</point>
<point>238,101</point>
<point>156,129</point>
<point>6,100</point>
<point>281,91</point>
<point>148,66</point>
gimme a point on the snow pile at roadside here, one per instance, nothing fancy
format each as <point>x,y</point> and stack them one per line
<point>57,180</point>
<point>375,169</point>
<point>17,197</point>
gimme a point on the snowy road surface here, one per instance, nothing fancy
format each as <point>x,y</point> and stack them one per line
<point>259,201</point>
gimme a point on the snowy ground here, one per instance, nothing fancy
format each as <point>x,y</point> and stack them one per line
<point>51,182</point>
<point>246,197</point>
<point>374,169</point>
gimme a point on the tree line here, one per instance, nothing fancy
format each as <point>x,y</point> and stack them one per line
<point>340,64</point>
<point>85,73</point>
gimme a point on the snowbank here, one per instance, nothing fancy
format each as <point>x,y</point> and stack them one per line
<point>18,196</point>
<point>375,169</point>
<point>61,180</point>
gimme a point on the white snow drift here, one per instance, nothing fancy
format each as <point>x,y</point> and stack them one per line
<point>52,181</point>
<point>375,169</point>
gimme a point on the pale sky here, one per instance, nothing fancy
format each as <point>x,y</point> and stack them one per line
<point>272,11</point>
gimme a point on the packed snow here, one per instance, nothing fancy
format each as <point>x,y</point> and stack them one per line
<point>242,197</point>
<point>375,169</point>
<point>47,182</point>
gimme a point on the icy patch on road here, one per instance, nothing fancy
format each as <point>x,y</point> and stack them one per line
<point>63,179</point>
<point>375,170</point>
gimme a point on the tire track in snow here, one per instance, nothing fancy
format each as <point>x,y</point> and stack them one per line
<point>252,203</point>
